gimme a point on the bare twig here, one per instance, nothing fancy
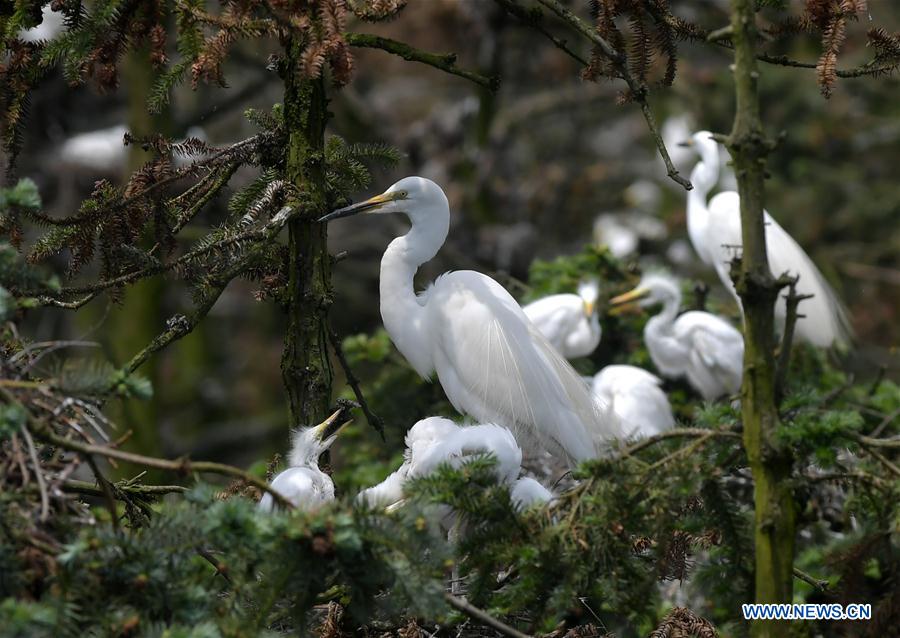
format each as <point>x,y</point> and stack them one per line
<point>533,18</point>
<point>38,473</point>
<point>676,433</point>
<point>638,89</point>
<point>886,421</point>
<point>443,61</point>
<point>89,489</point>
<point>373,419</point>
<point>869,446</point>
<point>182,466</point>
<point>818,583</point>
<point>792,301</point>
<point>461,604</point>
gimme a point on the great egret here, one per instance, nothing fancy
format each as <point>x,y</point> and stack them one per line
<point>715,231</point>
<point>568,321</point>
<point>436,441</point>
<point>493,364</point>
<point>636,398</point>
<point>303,483</point>
<point>697,345</point>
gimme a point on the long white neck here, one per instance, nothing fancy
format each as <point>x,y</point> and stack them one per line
<point>703,178</point>
<point>667,353</point>
<point>402,312</point>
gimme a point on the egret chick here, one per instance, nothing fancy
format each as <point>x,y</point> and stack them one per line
<point>698,345</point>
<point>568,321</point>
<point>303,484</point>
<point>636,398</point>
<point>492,362</point>
<point>715,232</point>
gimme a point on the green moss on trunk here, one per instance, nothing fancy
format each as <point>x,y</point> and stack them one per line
<point>771,466</point>
<point>305,364</point>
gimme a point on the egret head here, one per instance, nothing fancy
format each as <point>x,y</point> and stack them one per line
<point>654,288</point>
<point>589,291</point>
<point>703,144</point>
<point>309,443</point>
<point>415,196</point>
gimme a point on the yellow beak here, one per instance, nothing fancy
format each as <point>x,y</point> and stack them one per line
<point>329,427</point>
<point>369,206</point>
<point>634,295</point>
<point>588,308</point>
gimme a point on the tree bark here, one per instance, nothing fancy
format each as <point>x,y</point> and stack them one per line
<point>305,366</point>
<point>771,466</point>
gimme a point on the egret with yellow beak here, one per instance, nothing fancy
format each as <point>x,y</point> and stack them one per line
<point>303,484</point>
<point>492,362</point>
<point>697,345</point>
<point>568,321</point>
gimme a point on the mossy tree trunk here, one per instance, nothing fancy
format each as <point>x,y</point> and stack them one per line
<point>770,464</point>
<point>305,364</point>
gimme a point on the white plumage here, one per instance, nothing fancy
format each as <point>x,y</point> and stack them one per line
<point>436,441</point>
<point>697,345</point>
<point>637,399</point>
<point>715,231</point>
<point>491,361</point>
<point>568,321</point>
<point>303,483</point>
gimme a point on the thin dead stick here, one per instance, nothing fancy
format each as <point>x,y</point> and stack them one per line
<point>821,585</point>
<point>39,475</point>
<point>676,434</point>
<point>684,451</point>
<point>461,604</point>
<point>373,419</point>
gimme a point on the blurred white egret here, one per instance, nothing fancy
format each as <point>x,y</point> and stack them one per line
<point>52,24</point>
<point>527,493</point>
<point>636,398</point>
<point>697,345</point>
<point>303,483</point>
<point>568,321</point>
<point>101,150</point>
<point>715,231</point>
<point>493,364</point>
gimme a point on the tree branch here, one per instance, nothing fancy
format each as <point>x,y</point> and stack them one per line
<point>532,18</point>
<point>461,604</point>
<point>638,89</point>
<point>792,301</point>
<point>373,419</point>
<point>182,466</point>
<point>443,61</point>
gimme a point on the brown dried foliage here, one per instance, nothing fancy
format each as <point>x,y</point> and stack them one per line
<point>681,622</point>
<point>830,18</point>
<point>651,38</point>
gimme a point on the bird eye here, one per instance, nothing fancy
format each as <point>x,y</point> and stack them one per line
<point>403,194</point>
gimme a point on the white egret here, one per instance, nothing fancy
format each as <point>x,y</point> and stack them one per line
<point>303,483</point>
<point>568,321</point>
<point>698,345</point>
<point>637,399</point>
<point>436,441</point>
<point>715,231</point>
<point>493,364</point>
<point>527,493</point>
